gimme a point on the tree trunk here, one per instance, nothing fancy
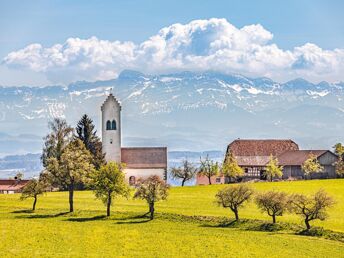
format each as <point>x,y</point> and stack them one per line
<point>183,182</point>
<point>236,215</point>
<point>151,210</point>
<point>34,203</point>
<point>108,204</point>
<point>71,195</point>
<point>270,178</point>
<point>209,178</point>
<point>274,219</point>
<point>307,224</point>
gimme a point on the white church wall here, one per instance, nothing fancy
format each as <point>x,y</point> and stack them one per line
<point>144,173</point>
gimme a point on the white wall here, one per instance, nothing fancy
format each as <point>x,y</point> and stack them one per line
<point>144,173</point>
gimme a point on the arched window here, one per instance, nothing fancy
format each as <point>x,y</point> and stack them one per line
<point>132,180</point>
<point>108,125</point>
<point>113,127</point>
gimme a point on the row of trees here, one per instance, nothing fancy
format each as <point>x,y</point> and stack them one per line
<point>276,203</point>
<point>230,168</point>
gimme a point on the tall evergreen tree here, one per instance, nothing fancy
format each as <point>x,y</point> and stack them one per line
<point>85,131</point>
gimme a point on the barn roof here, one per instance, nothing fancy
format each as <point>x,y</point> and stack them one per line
<point>261,147</point>
<point>12,184</point>
<point>297,158</point>
<point>145,157</point>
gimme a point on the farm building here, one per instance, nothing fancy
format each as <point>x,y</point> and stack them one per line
<point>11,186</point>
<point>141,162</point>
<point>253,155</point>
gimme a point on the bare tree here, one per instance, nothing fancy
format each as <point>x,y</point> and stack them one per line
<point>273,203</point>
<point>311,207</point>
<point>152,189</point>
<point>186,172</point>
<point>234,197</point>
<point>208,168</point>
<point>33,189</point>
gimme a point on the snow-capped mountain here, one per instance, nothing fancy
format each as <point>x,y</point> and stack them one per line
<point>185,111</point>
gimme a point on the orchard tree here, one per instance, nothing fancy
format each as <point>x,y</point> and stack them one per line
<point>234,197</point>
<point>231,168</point>
<point>73,167</point>
<point>152,189</point>
<point>273,203</point>
<point>339,151</point>
<point>56,141</point>
<point>311,207</point>
<point>109,182</point>
<point>208,168</point>
<point>85,131</point>
<point>33,189</point>
<point>19,176</point>
<point>186,172</point>
<point>273,169</point>
<point>311,165</point>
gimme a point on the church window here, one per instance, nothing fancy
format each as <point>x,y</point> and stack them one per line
<point>113,126</point>
<point>110,141</point>
<point>108,125</point>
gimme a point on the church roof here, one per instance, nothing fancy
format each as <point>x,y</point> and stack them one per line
<point>109,97</point>
<point>144,157</point>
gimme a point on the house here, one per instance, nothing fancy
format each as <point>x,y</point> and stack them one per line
<point>253,155</point>
<point>141,162</point>
<point>11,186</point>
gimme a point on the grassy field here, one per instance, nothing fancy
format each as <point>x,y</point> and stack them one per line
<point>50,232</point>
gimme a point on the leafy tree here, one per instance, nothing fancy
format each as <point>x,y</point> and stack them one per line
<point>311,165</point>
<point>60,136</point>
<point>86,132</point>
<point>231,168</point>
<point>152,189</point>
<point>273,169</point>
<point>273,203</point>
<point>19,176</point>
<point>310,207</point>
<point>72,168</point>
<point>234,197</point>
<point>339,150</point>
<point>208,168</point>
<point>186,172</point>
<point>109,182</point>
<point>32,189</point>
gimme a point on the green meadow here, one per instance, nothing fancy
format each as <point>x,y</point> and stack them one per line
<point>188,224</point>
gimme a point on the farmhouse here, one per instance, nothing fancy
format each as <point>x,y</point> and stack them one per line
<point>253,155</point>
<point>141,162</point>
<point>11,186</point>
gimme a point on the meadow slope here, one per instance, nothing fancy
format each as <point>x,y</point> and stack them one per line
<point>51,232</point>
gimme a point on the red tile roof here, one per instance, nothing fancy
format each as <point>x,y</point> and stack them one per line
<point>261,147</point>
<point>297,158</point>
<point>12,184</point>
<point>145,157</point>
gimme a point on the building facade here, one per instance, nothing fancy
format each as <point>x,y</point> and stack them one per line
<point>141,162</point>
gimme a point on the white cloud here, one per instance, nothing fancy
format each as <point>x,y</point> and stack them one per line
<point>212,44</point>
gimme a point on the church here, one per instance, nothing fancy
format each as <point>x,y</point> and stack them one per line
<point>141,162</point>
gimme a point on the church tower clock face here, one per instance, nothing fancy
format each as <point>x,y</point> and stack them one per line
<point>111,129</point>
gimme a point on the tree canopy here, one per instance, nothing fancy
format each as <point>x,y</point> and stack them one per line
<point>311,165</point>
<point>273,169</point>
<point>231,168</point>
<point>273,203</point>
<point>208,168</point>
<point>185,172</point>
<point>33,189</point>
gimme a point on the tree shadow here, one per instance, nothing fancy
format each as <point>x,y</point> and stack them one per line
<point>133,221</point>
<point>99,217</point>
<point>137,219</point>
<point>23,211</point>
<point>43,216</point>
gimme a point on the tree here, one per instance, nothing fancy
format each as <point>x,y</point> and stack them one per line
<point>310,207</point>
<point>186,172</point>
<point>231,168</point>
<point>152,189</point>
<point>311,165</point>
<point>109,182</point>
<point>339,151</point>
<point>273,203</point>
<point>86,132</point>
<point>60,136</point>
<point>273,169</point>
<point>32,189</point>
<point>234,197</point>
<point>208,168</point>
<point>73,167</point>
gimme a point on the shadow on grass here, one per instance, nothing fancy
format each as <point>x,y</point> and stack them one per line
<point>99,217</point>
<point>23,211</point>
<point>137,219</point>
<point>43,216</point>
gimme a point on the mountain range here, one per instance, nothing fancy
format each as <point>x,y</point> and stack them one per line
<point>192,111</point>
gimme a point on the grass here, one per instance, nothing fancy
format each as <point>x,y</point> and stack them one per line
<point>188,224</point>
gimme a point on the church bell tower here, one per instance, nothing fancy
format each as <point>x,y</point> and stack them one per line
<point>111,129</point>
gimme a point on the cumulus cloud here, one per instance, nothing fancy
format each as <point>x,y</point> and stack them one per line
<point>200,45</point>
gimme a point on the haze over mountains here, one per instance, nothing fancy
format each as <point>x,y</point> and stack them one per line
<point>184,111</point>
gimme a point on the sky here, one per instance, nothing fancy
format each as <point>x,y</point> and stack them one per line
<point>58,42</point>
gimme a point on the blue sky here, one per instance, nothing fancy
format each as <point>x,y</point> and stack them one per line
<point>292,24</point>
